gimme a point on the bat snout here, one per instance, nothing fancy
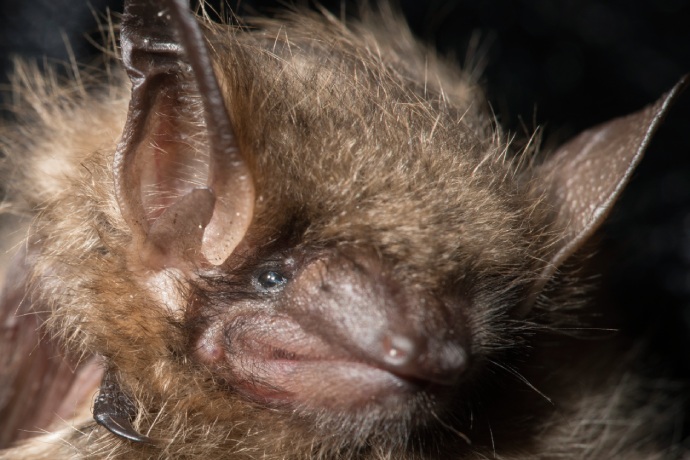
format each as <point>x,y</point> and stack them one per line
<point>357,305</point>
<point>416,357</point>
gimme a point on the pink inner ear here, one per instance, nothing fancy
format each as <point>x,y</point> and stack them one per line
<point>182,185</point>
<point>173,161</point>
<point>176,235</point>
<point>191,213</point>
<point>185,203</point>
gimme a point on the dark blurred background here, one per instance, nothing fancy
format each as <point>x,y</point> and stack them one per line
<point>565,65</point>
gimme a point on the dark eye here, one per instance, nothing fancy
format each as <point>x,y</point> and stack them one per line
<point>271,280</point>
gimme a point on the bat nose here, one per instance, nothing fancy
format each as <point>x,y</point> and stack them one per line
<point>414,356</point>
<point>356,305</point>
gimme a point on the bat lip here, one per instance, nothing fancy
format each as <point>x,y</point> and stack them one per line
<point>271,360</point>
<point>327,384</point>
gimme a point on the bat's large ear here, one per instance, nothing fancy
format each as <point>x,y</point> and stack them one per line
<point>584,177</point>
<point>182,183</point>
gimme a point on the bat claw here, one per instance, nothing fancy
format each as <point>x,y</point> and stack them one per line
<point>121,427</point>
<point>113,410</point>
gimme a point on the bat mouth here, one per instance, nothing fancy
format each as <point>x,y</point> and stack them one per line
<point>320,384</point>
<point>273,361</point>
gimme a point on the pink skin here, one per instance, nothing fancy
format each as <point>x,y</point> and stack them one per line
<point>340,336</point>
<point>272,360</point>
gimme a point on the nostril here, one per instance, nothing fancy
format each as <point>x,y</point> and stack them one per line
<point>453,357</point>
<point>416,358</point>
<point>400,351</point>
<point>451,362</point>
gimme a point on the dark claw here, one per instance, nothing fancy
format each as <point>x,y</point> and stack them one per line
<point>114,410</point>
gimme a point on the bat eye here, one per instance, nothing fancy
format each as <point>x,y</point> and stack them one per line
<point>271,280</point>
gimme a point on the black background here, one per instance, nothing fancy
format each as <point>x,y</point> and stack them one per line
<point>565,65</point>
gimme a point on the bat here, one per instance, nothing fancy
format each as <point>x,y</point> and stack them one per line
<point>310,239</point>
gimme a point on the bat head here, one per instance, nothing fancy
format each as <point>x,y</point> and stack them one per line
<point>347,238</point>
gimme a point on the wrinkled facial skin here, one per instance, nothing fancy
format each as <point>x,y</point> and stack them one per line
<point>323,326</point>
<point>310,240</point>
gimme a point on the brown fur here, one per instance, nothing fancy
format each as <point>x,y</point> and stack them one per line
<point>382,145</point>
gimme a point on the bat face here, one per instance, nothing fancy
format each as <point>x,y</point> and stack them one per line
<point>301,246</point>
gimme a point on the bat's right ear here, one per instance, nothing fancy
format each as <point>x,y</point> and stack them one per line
<point>584,178</point>
<point>182,184</point>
